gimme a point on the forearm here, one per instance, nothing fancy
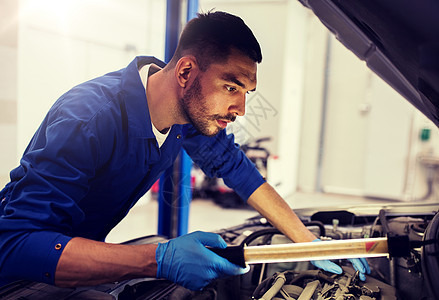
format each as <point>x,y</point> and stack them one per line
<point>272,206</point>
<point>86,262</point>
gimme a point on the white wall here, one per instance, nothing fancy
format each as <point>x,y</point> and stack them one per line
<point>313,76</point>
<point>8,87</point>
<point>370,137</point>
<point>63,43</point>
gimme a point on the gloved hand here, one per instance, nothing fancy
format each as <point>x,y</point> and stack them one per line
<point>359,264</point>
<point>185,260</point>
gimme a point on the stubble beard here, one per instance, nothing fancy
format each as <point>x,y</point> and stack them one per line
<point>195,109</point>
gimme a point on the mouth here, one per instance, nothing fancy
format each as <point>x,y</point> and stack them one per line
<point>222,123</point>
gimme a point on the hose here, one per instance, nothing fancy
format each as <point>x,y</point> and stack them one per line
<point>386,231</point>
<point>383,221</point>
<point>279,281</point>
<point>273,231</point>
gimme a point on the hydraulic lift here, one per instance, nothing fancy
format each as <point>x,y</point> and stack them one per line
<point>175,184</point>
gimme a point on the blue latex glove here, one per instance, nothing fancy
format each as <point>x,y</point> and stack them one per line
<point>359,264</point>
<point>185,260</point>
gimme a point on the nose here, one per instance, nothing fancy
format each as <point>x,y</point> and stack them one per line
<point>238,107</point>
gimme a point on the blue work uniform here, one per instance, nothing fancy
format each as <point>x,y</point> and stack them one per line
<point>91,159</point>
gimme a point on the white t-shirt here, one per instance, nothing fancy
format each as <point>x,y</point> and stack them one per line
<point>144,73</point>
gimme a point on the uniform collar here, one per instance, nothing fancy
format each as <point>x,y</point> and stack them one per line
<point>139,120</point>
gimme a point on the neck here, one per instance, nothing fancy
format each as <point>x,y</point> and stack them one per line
<point>162,100</point>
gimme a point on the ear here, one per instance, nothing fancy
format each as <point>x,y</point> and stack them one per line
<point>186,70</point>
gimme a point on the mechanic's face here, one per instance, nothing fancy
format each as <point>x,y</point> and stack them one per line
<point>218,95</point>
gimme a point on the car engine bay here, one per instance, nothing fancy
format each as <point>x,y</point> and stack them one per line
<point>405,278</point>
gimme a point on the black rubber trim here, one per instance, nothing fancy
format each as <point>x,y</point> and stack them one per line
<point>398,245</point>
<point>234,254</point>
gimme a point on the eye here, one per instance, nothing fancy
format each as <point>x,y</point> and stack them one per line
<point>230,88</point>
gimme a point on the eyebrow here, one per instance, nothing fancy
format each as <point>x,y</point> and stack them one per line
<point>232,78</point>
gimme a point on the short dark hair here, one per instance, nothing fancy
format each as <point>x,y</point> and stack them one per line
<point>212,36</point>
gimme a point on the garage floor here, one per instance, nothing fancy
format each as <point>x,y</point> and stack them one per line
<point>205,215</point>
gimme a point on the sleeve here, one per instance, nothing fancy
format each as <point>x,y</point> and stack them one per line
<point>41,208</point>
<point>219,156</point>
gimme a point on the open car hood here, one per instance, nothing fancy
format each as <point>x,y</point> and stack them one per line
<point>398,39</point>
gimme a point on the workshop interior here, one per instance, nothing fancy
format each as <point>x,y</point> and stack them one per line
<point>343,123</point>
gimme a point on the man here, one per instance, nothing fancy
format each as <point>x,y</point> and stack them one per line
<point>105,142</point>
